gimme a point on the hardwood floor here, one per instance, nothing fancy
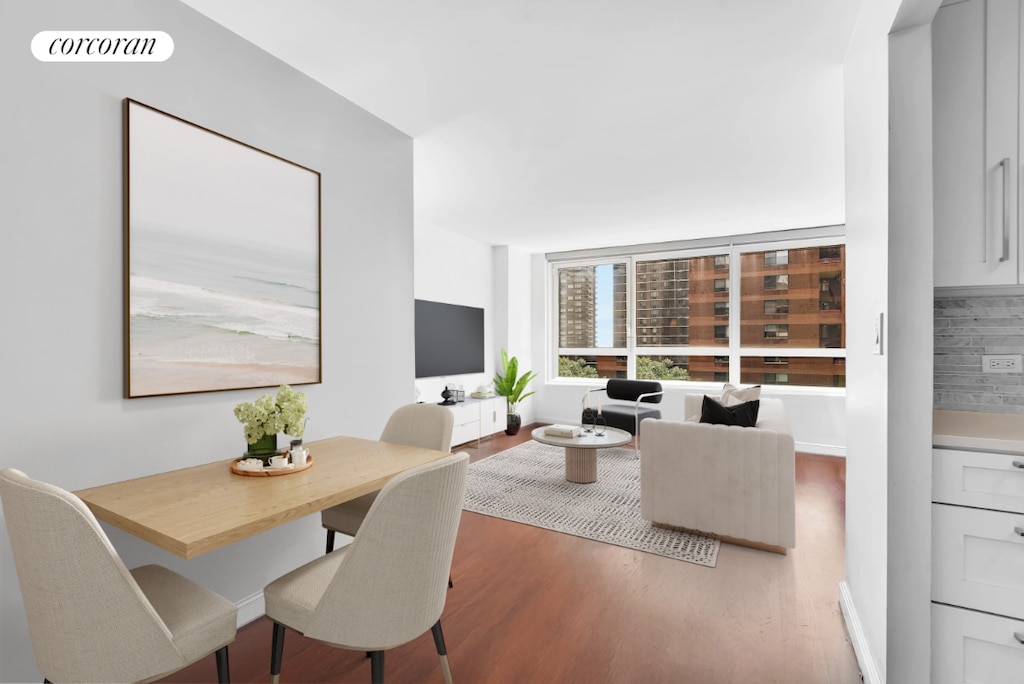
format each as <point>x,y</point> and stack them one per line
<point>530,605</point>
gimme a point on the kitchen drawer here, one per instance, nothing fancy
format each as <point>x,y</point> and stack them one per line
<point>979,479</point>
<point>968,646</point>
<point>978,559</point>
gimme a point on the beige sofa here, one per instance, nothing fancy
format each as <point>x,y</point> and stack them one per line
<point>735,482</point>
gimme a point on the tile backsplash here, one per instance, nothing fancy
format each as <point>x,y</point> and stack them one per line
<point>966,328</point>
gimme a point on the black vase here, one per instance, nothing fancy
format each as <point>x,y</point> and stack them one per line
<point>512,423</point>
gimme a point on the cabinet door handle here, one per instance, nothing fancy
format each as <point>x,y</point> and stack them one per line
<point>1019,531</point>
<point>1019,637</point>
<point>1005,165</point>
<point>1018,464</point>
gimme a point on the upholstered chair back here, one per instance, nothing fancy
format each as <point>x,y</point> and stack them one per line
<point>88,619</point>
<point>428,426</point>
<point>391,585</point>
<point>631,390</point>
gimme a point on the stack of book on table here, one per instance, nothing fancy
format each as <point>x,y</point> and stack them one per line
<point>563,430</point>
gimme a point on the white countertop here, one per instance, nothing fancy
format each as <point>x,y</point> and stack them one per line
<point>981,431</point>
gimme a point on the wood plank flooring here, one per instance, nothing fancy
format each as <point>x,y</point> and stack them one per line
<point>530,605</point>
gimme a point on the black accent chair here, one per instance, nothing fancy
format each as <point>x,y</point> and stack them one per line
<point>626,416</point>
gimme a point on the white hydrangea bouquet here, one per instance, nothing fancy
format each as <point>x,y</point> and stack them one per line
<point>267,416</point>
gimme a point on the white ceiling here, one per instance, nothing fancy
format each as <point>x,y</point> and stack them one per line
<point>558,124</point>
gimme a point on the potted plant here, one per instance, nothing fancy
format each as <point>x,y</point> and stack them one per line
<point>267,416</point>
<point>512,386</point>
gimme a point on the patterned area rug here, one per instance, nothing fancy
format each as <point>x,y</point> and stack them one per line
<point>526,484</point>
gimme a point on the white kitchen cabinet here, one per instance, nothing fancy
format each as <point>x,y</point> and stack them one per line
<point>968,646</point>
<point>980,479</point>
<point>977,151</point>
<point>977,566</point>
<point>978,559</point>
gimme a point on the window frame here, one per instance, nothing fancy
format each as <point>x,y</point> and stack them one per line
<point>733,248</point>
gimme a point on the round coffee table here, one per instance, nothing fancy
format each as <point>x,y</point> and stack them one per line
<point>581,452</point>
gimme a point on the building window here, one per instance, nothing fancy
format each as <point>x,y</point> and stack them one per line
<point>832,253</point>
<point>721,332</point>
<point>721,284</point>
<point>776,361</point>
<point>721,308</point>
<point>775,307</point>
<point>776,258</point>
<point>830,289</point>
<point>776,282</point>
<point>776,331</point>
<point>830,335</point>
<point>776,378</point>
<point>722,261</point>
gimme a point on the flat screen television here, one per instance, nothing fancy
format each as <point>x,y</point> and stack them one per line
<point>449,339</point>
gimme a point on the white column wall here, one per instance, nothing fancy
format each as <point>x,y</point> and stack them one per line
<point>888,222</point>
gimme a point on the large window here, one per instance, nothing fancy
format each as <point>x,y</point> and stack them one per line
<point>706,315</point>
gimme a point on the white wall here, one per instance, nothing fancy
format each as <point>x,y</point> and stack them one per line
<point>62,413</point>
<point>910,306</point>
<point>456,270</point>
<point>885,593</point>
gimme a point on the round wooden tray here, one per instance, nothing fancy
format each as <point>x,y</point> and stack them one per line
<point>270,472</point>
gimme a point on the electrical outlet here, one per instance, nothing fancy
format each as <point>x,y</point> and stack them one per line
<point>1001,363</point>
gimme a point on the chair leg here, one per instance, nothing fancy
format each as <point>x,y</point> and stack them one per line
<point>442,652</point>
<point>330,541</point>
<point>276,652</point>
<point>223,673</point>
<point>377,667</point>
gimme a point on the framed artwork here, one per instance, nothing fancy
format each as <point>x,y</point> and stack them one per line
<point>222,261</point>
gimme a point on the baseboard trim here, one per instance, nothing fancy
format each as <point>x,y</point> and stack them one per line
<point>865,659</point>
<point>822,449</point>
<point>250,608</point>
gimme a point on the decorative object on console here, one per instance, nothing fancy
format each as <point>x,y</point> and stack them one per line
<point>222,276</point>
<point>267,416</point>
<point>512,386</point>
<point>482,392</point>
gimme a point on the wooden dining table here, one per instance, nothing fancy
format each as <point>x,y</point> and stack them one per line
<point>195,510</point>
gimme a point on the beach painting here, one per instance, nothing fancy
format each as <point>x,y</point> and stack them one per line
<point>222,261</point>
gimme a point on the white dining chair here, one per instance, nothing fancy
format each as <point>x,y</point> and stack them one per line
<point>90,619</point>
<point>420,425</point>
<point>388,586</point>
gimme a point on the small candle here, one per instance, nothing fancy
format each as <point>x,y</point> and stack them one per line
<point>599,406</point>
<point>588,399</point>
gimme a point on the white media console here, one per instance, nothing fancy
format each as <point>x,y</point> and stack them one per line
<point>476,419</point>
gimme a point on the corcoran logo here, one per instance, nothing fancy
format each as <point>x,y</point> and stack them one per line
<point>102,46</point>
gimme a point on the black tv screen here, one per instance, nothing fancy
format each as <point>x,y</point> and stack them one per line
<point>449,339</point>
